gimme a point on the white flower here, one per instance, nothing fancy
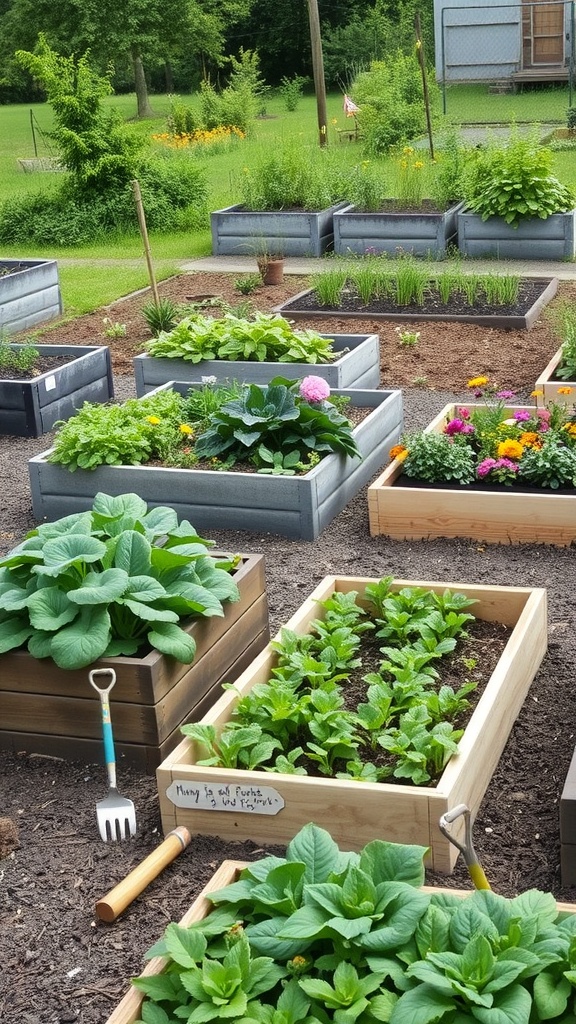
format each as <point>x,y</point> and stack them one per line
<point>211,379</point>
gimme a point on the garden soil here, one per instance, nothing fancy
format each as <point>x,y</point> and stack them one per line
<point>60,964</point>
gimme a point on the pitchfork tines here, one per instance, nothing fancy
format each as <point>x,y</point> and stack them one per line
<point>116,814</point>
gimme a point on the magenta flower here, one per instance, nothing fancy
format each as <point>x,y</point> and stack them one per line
<point>499,468</point>
<point>484,467</point>
<point>506,395</point>
<point>454,426</point>
<point>522,414</point>
<point>314,389</point>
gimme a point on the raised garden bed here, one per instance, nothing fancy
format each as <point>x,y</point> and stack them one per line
<point>358,366</point>
<point>535,294</point>
<point>29,294</point>
<point>129,1009</point>
<point>47,710</point>
<point>403,510</point>
<point>548,383</point>
<point>293,506</point>
<point>237,231</point>
<point>29,408</point>
<point>423,233</point>
<point>535,238</point>
<point>209,800</point>
<point>568,827</point>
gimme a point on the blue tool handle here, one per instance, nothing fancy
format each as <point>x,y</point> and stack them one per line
<point>109,752</point>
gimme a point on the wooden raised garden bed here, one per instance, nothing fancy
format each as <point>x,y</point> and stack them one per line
<point>305,306</point>
<point>237,231</point>
<point>47,710</point>
<point>214,801</point>
<point>358,366</point>
<point>568,827</point>
<point>29,408</point>
<point>548,383</point>
<point>503,515</point>
<point>129,1009</point>
<point>423,233</point>
<point>29,294</point>
<point>293,506</point>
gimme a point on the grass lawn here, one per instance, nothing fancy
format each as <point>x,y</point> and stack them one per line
<point>24,127</point>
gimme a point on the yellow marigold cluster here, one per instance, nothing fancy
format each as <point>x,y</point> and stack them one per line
<point>510,449</point>
<point>200,137</point>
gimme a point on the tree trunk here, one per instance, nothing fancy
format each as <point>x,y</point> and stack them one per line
<point>144,108</point>
<point>168,77</point>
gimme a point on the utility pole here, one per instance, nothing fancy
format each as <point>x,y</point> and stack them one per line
<point>318,70</point>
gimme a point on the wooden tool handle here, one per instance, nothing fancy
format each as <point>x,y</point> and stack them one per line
<point>115,901</point>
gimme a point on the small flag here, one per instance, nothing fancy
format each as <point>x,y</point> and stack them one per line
<point>350,108</point>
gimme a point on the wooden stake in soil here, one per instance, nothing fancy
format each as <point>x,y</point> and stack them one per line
<point>422,62</point>
<point>144,232</point>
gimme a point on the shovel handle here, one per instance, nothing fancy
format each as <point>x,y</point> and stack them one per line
<point>114,902</point>
<point>108,736</point>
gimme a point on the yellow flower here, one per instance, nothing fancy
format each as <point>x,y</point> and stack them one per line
<point>565,391</point>
<point>530,439</point>
<point>477,382</point>
<point>510,449</point>
<point>334,120</point>
<point>408,150</point>
<point>185,429</point>
<point>536,394</point>
<point>418,164</point>
<point>398,452</point>
<point>153,420</point>
<point>570,428</point>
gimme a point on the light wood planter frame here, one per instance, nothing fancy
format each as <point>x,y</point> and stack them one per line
<point>129,1009</point>
<point>292,506</point>
<point>358,366</point>
<point>357,812</point>
<point>501,516</point>
<point>47,710</point>
<point>549,384</point>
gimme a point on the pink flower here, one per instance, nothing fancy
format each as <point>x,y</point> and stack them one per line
<point>314,389</point>
<point>503,465</point>
<point>505,395</point>
<point>543,414</point>
<point>484,468</point>
<point>464,414</point>
<point>458,426</point>
<point>522,414</point>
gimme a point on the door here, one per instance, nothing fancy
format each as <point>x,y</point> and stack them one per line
<point>543,34</point>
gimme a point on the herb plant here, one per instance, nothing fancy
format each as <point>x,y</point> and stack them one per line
<point>322,936</point>
<point>109,581</point>
<point>265,337</point>
<point>298,721</point>
<point>18,360</point>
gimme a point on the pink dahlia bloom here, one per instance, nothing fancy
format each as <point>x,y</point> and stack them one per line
<point>314,389</point>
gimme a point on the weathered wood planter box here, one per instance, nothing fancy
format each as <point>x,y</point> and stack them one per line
<point>238,232</point>
<point>29,294</point>
<point>357,367</point>
<point>500,516</point>
<point>420,233</point>
<point>29,408</point>
<point>209,800</point>
<point>293,506</point>
<point>129,1009</point>
<point>300,307</point>
<point>552,238</point>
<point>548,384</point>
<point>47,710</point>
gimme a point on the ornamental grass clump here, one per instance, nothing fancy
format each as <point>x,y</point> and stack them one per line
<point>114,580</point>
<point>214,427</point>
<point>496,444</point>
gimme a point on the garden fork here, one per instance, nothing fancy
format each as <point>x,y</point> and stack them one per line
<point>475,869</point>
<point>116,814</point>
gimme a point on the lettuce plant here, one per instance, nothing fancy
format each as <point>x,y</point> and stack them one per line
<point>109,581</point>
<point>327,937</point>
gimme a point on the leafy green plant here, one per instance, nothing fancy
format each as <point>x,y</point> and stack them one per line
<point>292,176</point>
<point>437,459</point>
<point>110,581</point>
<point>564,319</point>
<point>19,360</point>
<point>161,316</point>
<point>291,90</point>
<point>113,329</point>
<point>248,283</point>
<point>328,935</point>
<point>515,181</point>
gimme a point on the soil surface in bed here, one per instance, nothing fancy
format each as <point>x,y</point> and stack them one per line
<point>61,965</point>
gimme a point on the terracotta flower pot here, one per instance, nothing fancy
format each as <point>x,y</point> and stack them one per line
<point>271,270</point>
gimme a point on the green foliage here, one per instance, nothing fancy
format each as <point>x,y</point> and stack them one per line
<point>514,181</point>
<point>436,458</point>
<point>391,104</point>
<point>21,359</point>
<point>553,465</point>
<point>571,118</point>
<point>564,320</point>
<point>161,316</point>
<point>291,90</point>
<point>109,581</point>
<point>292,176</point>
<point>267,337</point>
<point>182,119</point>
<point>232,108</point>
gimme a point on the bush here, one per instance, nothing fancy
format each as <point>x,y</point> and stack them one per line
<point>295,176</point>
<point>391,103</point>
<point>232,108</point>
<point>291,91</point>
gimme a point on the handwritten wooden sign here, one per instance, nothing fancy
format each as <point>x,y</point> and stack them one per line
<point>225,797</point>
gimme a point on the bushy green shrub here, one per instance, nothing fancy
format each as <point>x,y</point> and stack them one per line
<point>391,104</point>
<point>293,176</point>
<point>232,108</point>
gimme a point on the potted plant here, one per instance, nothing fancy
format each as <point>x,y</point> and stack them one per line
<point>285,935</point>
<point>40,384</point>
<point>29,294</point>
<point>490,472</point>
<point>557,382</point>
<point>271,267</point>
<point>252,349</point>
<point>128,588</point>
<point>288,198</point>
<point>421,216</point>
<point>279,458</point>
<point>515,206</point>
<point>305,732</point>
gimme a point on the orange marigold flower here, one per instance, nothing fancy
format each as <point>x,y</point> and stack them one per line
<point>570,428</point>
<point>565,391</point>
<point>530,439</point>
<point>510,449</point>
<point>398,452</point>
<point>153,420</point>
<point>477,382</point>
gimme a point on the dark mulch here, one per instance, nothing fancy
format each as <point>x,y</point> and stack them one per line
<point>60,964</point>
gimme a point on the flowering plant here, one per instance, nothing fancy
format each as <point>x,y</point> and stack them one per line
<point>494,443</point>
